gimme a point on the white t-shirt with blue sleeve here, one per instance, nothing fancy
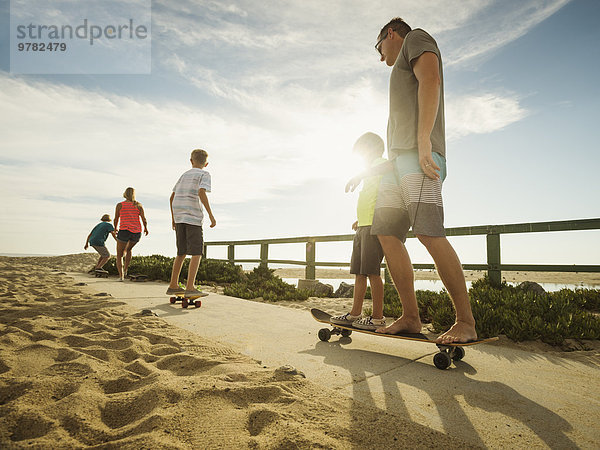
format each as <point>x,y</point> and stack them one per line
<point>186,203</point>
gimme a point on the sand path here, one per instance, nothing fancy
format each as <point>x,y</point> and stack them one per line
<point>498,396</point>
<point>80,369</point>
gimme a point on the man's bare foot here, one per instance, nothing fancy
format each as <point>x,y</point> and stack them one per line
<point>459,332</point>
<point>402,325</point>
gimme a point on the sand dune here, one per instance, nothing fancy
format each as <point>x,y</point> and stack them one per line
<point>87,371</point>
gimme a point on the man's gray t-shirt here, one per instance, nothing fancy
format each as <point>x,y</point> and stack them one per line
<point>404,108</point>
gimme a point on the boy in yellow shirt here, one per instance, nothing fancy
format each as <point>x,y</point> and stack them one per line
<point>366,250</point>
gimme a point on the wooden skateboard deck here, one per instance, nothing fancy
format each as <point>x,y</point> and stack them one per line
<point>442,360</point>
<point>99,273</point>
<point>187,300</point>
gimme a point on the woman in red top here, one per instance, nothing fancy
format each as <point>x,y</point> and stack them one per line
<point>129,213</point>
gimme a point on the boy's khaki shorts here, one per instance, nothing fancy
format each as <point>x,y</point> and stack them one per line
<point>102,250</point>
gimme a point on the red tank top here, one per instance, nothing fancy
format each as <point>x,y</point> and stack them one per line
<point>130,218</point>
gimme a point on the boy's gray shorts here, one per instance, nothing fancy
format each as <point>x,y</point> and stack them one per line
<point>102,250</point>
<point>190,239</point>
<point>366,253</point>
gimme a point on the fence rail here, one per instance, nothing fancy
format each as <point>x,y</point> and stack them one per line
<point>494,267</point>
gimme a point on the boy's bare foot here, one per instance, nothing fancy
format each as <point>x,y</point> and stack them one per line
<point>459,332</point>
<point>402,325</point>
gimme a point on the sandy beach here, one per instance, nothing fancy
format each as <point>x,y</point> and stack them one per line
<point>80,370</point>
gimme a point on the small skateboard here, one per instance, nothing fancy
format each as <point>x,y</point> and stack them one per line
<point>99,273</point>
<point>138,277</point>
<point>186,301</point>
<point>442,360</point>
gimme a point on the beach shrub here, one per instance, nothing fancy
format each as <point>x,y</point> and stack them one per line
<point>158,267</point>
<point>261,282</point>
<point>520,315</point>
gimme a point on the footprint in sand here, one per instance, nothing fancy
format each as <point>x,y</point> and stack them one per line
<point>28,425</point>
<point>259,419</point>
<point>118,413</point>
<point>185,365</point>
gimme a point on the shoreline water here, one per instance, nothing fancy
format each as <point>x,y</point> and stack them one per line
<point>580,280</point>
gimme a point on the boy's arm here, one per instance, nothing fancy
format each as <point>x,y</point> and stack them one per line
<point>379,169</point>
<point>204,200</point>
<point>171,207</point>
<point>87,242</point>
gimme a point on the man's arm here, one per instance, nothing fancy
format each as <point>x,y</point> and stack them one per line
<point>87,242</point>
<point>204,200</point>
<point>427,71</point>
<point>379,169</point>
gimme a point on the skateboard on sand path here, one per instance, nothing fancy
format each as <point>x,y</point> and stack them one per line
<point>187,300</point>
<point>442,360</point>
<point>100,273</point>
<point>138,277</point>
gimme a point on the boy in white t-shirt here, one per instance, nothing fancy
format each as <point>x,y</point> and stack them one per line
<point>187,216</point>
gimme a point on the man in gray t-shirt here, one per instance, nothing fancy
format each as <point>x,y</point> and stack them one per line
<point>410,193</point>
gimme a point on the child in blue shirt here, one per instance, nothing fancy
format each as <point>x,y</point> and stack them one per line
<point>97,239</point>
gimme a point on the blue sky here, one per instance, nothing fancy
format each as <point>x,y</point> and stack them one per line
<point>278,94</point>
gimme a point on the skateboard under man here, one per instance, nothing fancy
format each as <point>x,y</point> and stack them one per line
<point>187,300</point>
<point>442,360</point>
<point>100,273</point>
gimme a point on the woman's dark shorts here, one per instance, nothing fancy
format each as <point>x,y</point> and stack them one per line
<point>190,239</point>
<point>366,253</point>
<point>128,236</point>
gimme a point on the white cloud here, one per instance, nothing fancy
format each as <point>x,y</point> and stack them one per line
<point>494,26</point>
<point>483,113</point>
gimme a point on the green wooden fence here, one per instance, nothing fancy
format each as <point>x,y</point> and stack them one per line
<point>494,267</point>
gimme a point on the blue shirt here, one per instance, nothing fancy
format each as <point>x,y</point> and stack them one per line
<point>100,233</point>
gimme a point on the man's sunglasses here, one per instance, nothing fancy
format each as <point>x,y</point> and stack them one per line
<point>378,45</point>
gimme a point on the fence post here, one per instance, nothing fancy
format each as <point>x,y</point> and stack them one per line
<point>264,255</point>
<point>204,251</point>
<point>493,258</point>
<point>231,253</point>
<point>310,260</point>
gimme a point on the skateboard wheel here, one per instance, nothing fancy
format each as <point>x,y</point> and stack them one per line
<point>346,333</point>
<point>324,334</point>
<point>184,303</point>
<point>442,360</point>
<point>458,353</point>
<point>173,300</point>
<point>197,303</point>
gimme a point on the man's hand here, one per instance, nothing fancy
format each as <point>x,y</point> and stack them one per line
<point>86,246</point>
<point>428,165</point>
<point>213,221</point>
<point>173,223</point>
<point>353,183</point>
<point>355,226</point>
